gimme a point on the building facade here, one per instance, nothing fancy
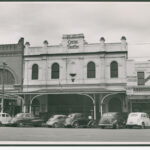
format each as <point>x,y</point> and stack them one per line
<point>75,76</point>
<point>138,85</point>
<point>11,77</point>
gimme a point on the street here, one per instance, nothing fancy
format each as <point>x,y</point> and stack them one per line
<point>73,135</point>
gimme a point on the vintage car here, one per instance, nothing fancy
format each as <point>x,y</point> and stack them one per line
<point>138,119</point>
<point>5,119</point>
<point>56,121</point>
<point>76,120</point>
<point>26,119</point>
<point>112,120</point>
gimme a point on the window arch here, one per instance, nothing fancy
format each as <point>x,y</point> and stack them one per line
<point>91,70</point>
<point>114,69</point>
<point>55,71</point>
<point>35,72</point>
<point>7,77</point>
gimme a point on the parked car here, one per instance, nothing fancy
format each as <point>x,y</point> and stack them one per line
<point>138,119</point>
<point>112,120</point>
<point>56,121</point>
<point>26,119</point>
<point>5,119</point>
<point>76,120</point>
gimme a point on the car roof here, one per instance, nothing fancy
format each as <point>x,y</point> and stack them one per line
<point>59,115</point>
<point>75,114</point>
<point>24,113</point>
<point>138,113</point>
<point>112,113</point>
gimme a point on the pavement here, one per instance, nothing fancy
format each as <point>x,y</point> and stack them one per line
<point>43,134</point>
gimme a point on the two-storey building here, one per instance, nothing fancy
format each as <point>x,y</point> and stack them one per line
<point>11,77</point>
<point>138,85</point>
<point>75,76</point>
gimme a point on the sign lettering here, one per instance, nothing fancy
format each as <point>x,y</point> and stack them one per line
<point>73,44</point>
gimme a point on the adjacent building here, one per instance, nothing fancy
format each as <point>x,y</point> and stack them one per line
<point>11,77</point>
<point>138,85</point>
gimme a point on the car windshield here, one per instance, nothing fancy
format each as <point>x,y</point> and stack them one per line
<point>73,115</point>
<point>109,115</point>
<point>56,116</point>
<point>19,115</point>
<point>134,115</point>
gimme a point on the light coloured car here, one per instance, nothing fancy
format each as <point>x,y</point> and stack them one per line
<point>56,121</point>
<point>5,119</point>
<point>138,119</point>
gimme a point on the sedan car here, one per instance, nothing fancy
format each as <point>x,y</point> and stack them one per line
<point>112,120</point>
<point>56,121</point>
<point>5,119</point>
<point>26,119</point>
<point>138,119</point>
<point>76,120</point>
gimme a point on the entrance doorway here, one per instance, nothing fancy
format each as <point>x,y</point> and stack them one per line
<point>115,105</point>
<point>35,107</point>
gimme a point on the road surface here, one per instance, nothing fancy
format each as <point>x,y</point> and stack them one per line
<point>73,135</point>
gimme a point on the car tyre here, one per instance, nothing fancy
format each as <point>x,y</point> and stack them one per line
<point>143,125</point>
<point>76,124</point>
<point>55,125</point>
<point>20,124</point>
<point>117,126</point>
<point>102,127</point>
<point>129,127</point>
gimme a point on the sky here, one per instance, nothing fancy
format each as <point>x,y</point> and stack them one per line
<point>39,21</point>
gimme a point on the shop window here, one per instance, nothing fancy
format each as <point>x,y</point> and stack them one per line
<point>114,69</point>
<point>55,71</point>
<point>35,72</point>
<point>91,70</point>
<point>140,78</point>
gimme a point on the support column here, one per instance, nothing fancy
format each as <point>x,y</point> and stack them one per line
<point>30,107</point>
<point>94,103</point>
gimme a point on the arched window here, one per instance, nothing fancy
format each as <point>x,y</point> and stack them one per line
<point>35,72</point>
<point>114,70</point>
<point>91,70</point>
<point>55,71</point>
<point>7,77</point>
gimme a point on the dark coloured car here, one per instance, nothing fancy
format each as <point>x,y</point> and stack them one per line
<point>26,119</point>
<point>56,121</point>
<point>76,120</point>
<point>112,120</point>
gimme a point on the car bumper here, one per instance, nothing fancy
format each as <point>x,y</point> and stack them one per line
<point>105,125</point>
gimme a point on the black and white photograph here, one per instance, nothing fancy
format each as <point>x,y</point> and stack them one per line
<point>74,73</point>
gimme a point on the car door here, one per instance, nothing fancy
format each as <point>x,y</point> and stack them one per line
<point>144,119</point>
<point>28,119</point>
<point>147,120</point>
<point>3,118</point>
<point>8,118</point>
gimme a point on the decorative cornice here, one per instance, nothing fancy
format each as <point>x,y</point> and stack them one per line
<point>78,54</point>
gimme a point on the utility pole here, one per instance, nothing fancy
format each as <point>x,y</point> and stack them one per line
<point>3,87</point>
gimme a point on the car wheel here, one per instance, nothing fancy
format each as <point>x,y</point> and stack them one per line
<point>116,126</point>
<point>143,125</point>
<point>20,124</point>
<point>102,127</point>
<point>129,127</point>
<point>76,124</point>
<point>55,125</point>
